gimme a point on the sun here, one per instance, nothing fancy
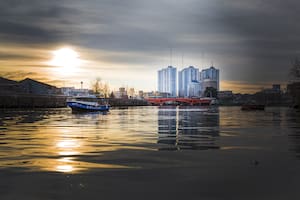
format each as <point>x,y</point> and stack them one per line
<point>66,60</point>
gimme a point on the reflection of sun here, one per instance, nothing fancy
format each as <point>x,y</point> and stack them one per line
<point>64,168</point>
<point>66,148</point>
<point>66,59</point>
<point>67,144</point>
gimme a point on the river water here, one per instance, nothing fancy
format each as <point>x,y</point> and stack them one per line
<point>188,141</point>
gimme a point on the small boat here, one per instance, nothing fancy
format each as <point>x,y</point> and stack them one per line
<point>253,107</point>
<point>85,105</point>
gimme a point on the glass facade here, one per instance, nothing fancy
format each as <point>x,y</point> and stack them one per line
<point>191,82</point>
<point>167,80</point>
<point>210,78</point>
<point>186,77</point>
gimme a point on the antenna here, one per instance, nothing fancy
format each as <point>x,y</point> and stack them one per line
<point>212,63</point>
<point>202,55</point>
<point>182,59</point>
<point>171,54</point>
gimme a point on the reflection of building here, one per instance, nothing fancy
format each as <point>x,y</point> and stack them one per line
<point>186,80</point>
<point>167,80</point>
<point>294,91</point>
<point>294,138</point>
<point>183,129</point>
<point>210,78</point>
<point>167,129</point>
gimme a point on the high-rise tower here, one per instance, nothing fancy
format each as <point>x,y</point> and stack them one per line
<point>167,80</point>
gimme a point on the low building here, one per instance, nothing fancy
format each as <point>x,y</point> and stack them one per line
<point>225,94</point>
<point>121,93</point>
<point>226,98</point>
<point>9,86</point>
<point>269,96</point>
<point>276,87</point>
<point>141,94</point>
<point>157,94</point>
<point>31,86</point>
<point>71,91</point>
<point>29,93</point>
<point>131,93</point>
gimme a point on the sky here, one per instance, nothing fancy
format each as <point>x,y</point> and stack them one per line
<point>125,42</point>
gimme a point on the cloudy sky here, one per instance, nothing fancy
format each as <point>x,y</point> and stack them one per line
<point>125,42</point>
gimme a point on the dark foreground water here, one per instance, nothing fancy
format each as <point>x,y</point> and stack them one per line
<point>150,153</point>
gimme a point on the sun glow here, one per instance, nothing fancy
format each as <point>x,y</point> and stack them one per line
<point>66,60</point>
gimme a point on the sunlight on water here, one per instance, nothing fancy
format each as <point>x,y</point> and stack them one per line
<point>59,141</point>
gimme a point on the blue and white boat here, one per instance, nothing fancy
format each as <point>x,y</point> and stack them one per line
<point>82,105</point>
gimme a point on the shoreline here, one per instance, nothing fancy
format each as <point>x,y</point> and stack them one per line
<point>30,101</point>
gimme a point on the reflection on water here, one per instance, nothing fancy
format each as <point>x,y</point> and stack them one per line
<point>57,140</point>
<point>294,135</point>
<point>192,128</point>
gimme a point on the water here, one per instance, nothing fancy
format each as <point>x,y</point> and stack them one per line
<point>57,140</point>
<point>196,144</point>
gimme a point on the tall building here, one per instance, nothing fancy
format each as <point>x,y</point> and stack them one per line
<point>187,76</point>
<point>167,80</point>
<point>210,78</point>
<point>194,89</point>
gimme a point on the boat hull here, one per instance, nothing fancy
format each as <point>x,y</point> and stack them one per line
<point>80,107</point>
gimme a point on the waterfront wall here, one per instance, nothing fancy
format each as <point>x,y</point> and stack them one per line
<point>114,102</point>
<point>127,102</point>
<point>31,101</point>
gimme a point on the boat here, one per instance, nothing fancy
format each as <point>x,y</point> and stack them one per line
<point>253,107</point>
<point>82,104</point>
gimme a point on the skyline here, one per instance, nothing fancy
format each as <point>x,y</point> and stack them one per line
<point>252,43</point>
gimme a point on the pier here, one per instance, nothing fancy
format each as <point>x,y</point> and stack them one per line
<point>179,100</point>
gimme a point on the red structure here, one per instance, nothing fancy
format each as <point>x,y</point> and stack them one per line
<point>186,101</point>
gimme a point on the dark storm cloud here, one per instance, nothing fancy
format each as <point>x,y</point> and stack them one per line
<point>252,41</point>
<point>32,22</point>
<point>27,34</point>
<point>270,30</point>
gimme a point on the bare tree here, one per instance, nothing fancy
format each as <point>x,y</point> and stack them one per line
<point>96,86</point>
<point>106,90</point>
<point>100,88</point>
<point>112,95</point>
<point>295,70</point>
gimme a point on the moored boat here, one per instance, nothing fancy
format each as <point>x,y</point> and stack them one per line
<point>82,105</point>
